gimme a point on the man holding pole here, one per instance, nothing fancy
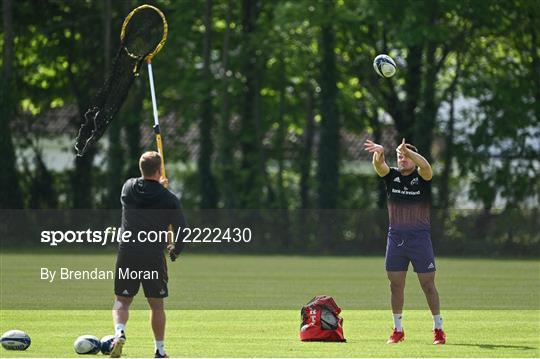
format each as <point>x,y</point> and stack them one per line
<point>146,206</point>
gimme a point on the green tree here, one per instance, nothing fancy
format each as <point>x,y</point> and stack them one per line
<point>9,179</point>
<point>498,135</point>
<point>208,190</point>
<point>250,136</point>
<point>329,150</point>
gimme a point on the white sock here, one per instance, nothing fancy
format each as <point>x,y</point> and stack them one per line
<point>160,347</point>
<point>397,322</point>
<point>437,321</point>
<point>119,328</point>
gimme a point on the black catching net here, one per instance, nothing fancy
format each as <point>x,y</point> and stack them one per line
<point>142,35</point>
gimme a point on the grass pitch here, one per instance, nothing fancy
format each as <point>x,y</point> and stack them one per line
<point>248,306</point>
<point>272,282</point>
<point>274,333</point>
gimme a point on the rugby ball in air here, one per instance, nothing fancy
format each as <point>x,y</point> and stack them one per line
<point>87,344</point>
<point>15,340</point>
<point>384,66</point>
<point>106,344</point>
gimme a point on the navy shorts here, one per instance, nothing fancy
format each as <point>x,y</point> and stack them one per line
<point>133,267</point>
<point>410,246</point>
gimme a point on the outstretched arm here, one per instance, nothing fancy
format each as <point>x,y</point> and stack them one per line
<point>424,168</point>
<point>379,164</point>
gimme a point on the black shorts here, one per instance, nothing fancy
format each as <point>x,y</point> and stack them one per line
<point>132,269</point>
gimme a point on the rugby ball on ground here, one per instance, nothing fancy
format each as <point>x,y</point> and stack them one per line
<point>106,344</point>
<point>15,340</point>
<point>87,344</point>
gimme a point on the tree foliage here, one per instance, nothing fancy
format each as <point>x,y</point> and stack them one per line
<point>258,97</point>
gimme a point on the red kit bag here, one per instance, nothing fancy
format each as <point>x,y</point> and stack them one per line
<point>321,321</point>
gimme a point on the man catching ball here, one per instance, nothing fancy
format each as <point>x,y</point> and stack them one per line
<point>408,189</point>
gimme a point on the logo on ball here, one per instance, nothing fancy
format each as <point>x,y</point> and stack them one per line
<point>384,66</point>
<point>15,340</point>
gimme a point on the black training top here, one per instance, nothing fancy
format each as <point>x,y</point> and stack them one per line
<point>409,200</point>
<point>148,206</point>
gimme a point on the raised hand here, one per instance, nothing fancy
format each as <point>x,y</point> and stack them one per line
<point>164,182</point>
<point>379,164</point>
<point>402,149</point>
<point>372,147</point>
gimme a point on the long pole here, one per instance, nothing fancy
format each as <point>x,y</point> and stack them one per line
<point>157,130</point>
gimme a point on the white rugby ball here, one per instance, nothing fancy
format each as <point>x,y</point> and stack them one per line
<point>106,344</point>
<point>87,344</point>
<point>384,66</point>
<point>15,340</point>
